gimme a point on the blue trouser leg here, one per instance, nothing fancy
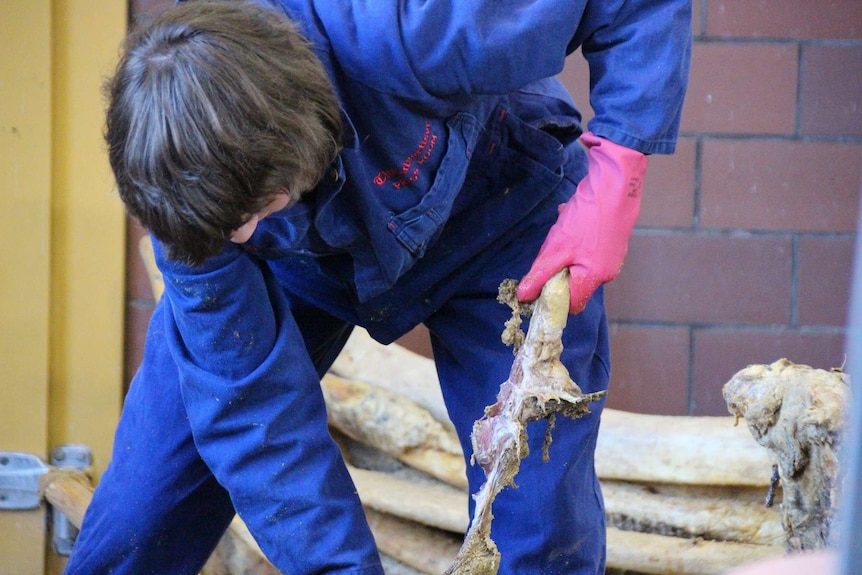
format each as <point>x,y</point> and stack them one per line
<point>157,508</point>
<point>324,335</point>
<point>554,523</point>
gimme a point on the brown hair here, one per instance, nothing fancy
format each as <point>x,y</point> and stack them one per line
<point>215,107</point>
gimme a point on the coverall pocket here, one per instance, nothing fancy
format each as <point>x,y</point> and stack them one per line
<point>479,163</point>
<point>418,227</point>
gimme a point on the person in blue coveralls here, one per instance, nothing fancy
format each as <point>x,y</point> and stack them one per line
<point>307,166</point>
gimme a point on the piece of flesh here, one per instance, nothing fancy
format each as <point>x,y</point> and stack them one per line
<point>538,387</point>
<point>797,413</point>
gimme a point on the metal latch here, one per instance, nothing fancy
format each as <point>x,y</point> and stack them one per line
<point>71,456</point>
<point>19,486</point>
<point>19,480</point>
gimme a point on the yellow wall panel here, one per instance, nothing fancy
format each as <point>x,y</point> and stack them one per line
<point>61,252</point>
<point>25,251</point>
<point>88,230</point>
<point>25,196</point>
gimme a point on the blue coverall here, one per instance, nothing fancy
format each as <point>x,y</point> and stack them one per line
<point>459,147</point>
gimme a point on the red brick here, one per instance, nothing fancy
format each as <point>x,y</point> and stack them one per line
<point>825,270</point>
<point>742,88</point>
<point>832,90</point>
<point>649,369</point>
<point>725,80</point>
<point>780,185</point>
<point>668,199</point>
<point>699,278</point>
<point>720,353</point>
<point>576,78</point>
<point>784,19</point>
<point>417,340</point>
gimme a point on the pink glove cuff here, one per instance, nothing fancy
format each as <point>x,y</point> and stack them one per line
<point>592,231</point>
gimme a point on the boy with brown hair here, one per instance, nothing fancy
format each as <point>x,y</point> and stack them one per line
<point>309,166</point>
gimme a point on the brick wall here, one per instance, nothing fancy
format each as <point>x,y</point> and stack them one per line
<point>744,247</point>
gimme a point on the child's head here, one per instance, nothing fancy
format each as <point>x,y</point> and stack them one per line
<point>214,109</point>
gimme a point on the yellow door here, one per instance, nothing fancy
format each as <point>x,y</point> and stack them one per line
<point>61,252</point>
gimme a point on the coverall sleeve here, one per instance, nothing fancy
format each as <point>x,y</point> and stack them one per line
<point>449,48</point>
<point>222,311</point>
<point>256,411</point>
<point>638,52</point>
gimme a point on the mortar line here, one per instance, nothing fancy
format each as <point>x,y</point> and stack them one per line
<point>690,374</point>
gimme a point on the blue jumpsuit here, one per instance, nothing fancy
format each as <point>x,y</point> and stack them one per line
<point>459,147</point>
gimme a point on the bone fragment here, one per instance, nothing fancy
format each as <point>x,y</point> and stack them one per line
<point>430,503</point>
<point>395,368</point>
<point>678,449</point>
<point>797,413</point>
<point>423,548</point>
<point>538,387</point>
<point>717,513</point>
<point>713,516</point>
<point>662,555</point>
<point>69,491</point>
<point>395,425</point>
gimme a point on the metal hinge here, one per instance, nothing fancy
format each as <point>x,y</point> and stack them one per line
<point>71,456</point>
<point>19,480</point>
<point>19,486</point>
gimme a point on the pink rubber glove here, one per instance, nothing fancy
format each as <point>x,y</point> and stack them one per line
<point>592,232</point>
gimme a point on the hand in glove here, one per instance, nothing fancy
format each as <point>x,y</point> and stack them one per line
<point>592,231</point>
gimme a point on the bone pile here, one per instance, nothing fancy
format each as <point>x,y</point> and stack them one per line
<point>798,414</point>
